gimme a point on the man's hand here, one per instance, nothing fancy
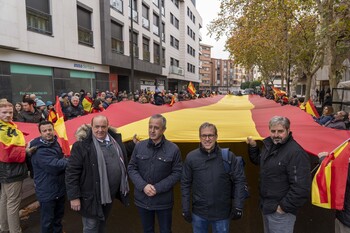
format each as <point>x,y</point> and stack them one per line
<point>135,139</point>
<point>250,141</point>
<point>30,150</point>
<point>150,190</point>
<point>236,213</point>
<point>322,154</point>
<point>279,210</point>
<point>187,216</point>
<point>75,204</point>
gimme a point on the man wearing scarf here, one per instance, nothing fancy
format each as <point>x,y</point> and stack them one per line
<point>12,169</point>
<point>96,174</point>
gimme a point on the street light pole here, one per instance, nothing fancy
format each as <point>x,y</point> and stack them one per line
<point>132,47</point>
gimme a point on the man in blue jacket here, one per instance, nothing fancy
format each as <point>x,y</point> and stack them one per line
<point>154,168</point>
<point>49,167</point>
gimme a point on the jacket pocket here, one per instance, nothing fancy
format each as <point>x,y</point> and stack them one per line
<point>88,203</point>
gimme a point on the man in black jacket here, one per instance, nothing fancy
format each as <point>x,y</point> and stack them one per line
<point>96,173</point>
<point>49,166</point>
<point>212,186</point>
<point>285,179</point>
<point>154,168</point>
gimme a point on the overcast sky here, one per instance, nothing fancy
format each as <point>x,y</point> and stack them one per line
<point>209,9</point>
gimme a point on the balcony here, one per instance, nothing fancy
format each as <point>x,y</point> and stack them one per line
<point>136,50</point>
<point>146,55</point>
<point>155,30</point>
<point>145,23</point>
<point>134,15</point>
<point>38,21</point>
<point>85,36</point>
<point>176,70</point>
<point>117,4</point>
<point>117,46</point>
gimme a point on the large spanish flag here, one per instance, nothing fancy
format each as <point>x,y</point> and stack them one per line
<point>236,117</point>
<point>60,129</point>
<point>329,183</point>
<point>12,143</point>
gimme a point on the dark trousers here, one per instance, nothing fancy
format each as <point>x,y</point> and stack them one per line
<point>164,218</point>
<point>51,214</point>
<point>95,225</point>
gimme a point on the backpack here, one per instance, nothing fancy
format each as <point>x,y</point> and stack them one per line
<point>227,159</point>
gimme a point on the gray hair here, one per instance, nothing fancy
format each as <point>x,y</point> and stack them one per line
<point>74,97</point>
<point>280,120</point>
<point>208,125</point>
<point>159,116</point>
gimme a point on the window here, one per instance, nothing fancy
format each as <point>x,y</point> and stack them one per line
<point>145,49</point>
<point>156,54</point>
<point>176,2</point>
<point>174,62</point>
<point>174,42</point>
<point>145,17</point>
<point>191,15</point>
<point>156,24</point>
<point>191,68</point>
<point>174,21</point>
<point>38,16</point>
<point>163,57</point>
<point>134,44</point>
<point>117,38</point>
<point>191,51</point>
<point>117,5</point>
<point>85,34</point>
<point>163,31</point>
<point>133,12</point>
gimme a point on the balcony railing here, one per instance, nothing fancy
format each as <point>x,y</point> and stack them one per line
<point>146,55</point>
<point>136,50</point>
<point>145,23</point>
<point>176,70</point>
<point>117,4</point>
<point>117,46</point>
<point>156,30</point>
<point>38,21</point>
<point>134,15</point>
<point>156,59</point>
<point>85,36</point>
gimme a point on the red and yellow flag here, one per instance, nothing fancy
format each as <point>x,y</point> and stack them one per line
<point>12,143</point>
<point>172,102</point>
<point>191,89</point>
<point>60,129</point>
<point>310,108</point>
<point>87,104</point>
<point>329,183</point>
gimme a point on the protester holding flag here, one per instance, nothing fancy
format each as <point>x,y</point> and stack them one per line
<point>12,169</point>
<point>285,179</point>
<point>49,166</point>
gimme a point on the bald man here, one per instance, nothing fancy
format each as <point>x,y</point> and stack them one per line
<point>96,173</point>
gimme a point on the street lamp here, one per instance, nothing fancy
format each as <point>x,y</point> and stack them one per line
<point>132,47</point>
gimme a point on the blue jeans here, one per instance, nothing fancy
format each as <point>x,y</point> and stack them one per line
<point>279,223</point>
<point>201,225</point>
<point>164,220</point>
<point>95,225</point>
<point>51,214</point>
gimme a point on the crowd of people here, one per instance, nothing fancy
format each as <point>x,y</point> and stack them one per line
<point>74,104</point>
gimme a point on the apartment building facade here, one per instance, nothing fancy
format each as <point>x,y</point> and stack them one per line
<point>48,47</point>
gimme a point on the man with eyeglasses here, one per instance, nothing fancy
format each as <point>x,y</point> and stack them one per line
<point>204,176</point>
<point>285,178</point>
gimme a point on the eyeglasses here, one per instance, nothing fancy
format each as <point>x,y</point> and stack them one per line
<point>209,136</point>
